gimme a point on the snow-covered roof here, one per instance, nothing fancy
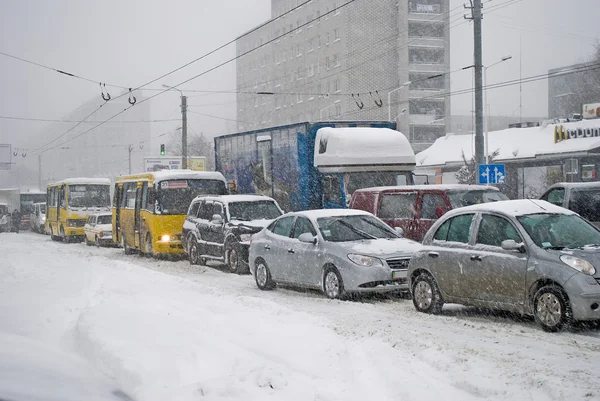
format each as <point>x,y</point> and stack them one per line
<point>188,175</point>
<point>237,198</point>
<point>512,143</point>
<point>595,185</point>
<point>315,214</point>
<point>362,149</point>
<point>434,187</point>
<point>518,207</point>
<point>83,180</point>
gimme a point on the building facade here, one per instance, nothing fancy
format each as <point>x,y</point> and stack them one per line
<point>568,92</point>
<point>326,62</point>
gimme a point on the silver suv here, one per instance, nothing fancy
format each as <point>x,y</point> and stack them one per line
<point>524,256</point>
<point>581,197</point>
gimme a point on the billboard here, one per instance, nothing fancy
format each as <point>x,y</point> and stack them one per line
<point>196,163</point>
<point>591,110</point>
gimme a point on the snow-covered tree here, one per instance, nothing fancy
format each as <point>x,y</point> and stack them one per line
<point>467,174</point>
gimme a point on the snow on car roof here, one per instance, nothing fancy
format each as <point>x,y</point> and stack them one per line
<point>512,144</point>
<point>237,198</point>
<point>83,180</point>
<point>188,174</point>
<point>517,207</point>
<point>576,185</point>
<point>315,214</point>
<point>435,187</point>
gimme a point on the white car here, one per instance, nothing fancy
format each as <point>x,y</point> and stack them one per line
<point>98,229</point>
<point>37,218</point>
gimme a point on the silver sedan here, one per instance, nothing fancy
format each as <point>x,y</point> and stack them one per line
<point>338,251</point>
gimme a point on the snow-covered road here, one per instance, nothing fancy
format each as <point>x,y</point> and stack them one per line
<point>169,331</point>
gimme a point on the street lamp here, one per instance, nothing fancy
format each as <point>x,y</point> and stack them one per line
<point>183,126</point>
<point>390,99</point>
<point>487,112</point>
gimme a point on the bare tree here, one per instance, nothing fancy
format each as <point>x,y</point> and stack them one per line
<point>198,145</point>
<point>467,174</point>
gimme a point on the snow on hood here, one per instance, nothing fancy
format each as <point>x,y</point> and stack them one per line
<point>252,223</point>
<point>31,371</point>
<point>383,248</point>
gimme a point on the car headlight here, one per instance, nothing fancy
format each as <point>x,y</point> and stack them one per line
<point>364,260</point>
<point>165,238</point>
<point>245,237</point>
<point>578,264</point>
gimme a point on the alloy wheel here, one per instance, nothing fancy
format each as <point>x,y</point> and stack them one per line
<point>549,309</point>
<point>423,295</point>
<point>332,284</point>
<point>261,274</point>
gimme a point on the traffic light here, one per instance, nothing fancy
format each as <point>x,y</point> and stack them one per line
<point>162,149</point>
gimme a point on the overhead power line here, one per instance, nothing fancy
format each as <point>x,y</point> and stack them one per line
<point>194,77</point>
<point>87,121</point>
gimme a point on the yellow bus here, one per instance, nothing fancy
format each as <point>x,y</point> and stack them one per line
<point>149,208</point>
<point>68,203</point>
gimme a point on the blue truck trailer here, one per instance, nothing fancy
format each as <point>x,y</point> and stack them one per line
<point>315,165</point>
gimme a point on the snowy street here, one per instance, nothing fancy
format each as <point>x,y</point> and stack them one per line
<point>170,331</point>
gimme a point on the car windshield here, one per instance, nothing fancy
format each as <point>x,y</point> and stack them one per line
<point>586,203</point>
<point>43,209</point>
<point>248,211</point>
<point>89,195</point>
<point>353,228</point>
<point>473,197</point>
<point>558,231</point>
<point>175,196</point>
<point>106,219</point>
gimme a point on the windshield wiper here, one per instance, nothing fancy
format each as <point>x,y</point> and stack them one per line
<point>555,247</point>
<point>356,230</point>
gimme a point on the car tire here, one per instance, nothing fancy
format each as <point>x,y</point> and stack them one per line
<point>333,286</point>
<point>552,309</point>
<point>262,276</point>
<point>97,241</point>
<point>426,295</point>
<point>194,254</point>
<point>126,248</point>
<point>62,235</point>
<point>232,256</point>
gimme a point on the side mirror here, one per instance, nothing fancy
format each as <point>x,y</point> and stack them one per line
<point>308,238</point>
<point>440,211</point>
<point>217,219</point>
<point>512,245</point>
<point>399,231</point>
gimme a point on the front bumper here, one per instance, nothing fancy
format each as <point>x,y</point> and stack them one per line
<point>373,279</point>
<point>160,247</point>
<point>584,295</point>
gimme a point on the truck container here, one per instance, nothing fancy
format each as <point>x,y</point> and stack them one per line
<point>315,165</point>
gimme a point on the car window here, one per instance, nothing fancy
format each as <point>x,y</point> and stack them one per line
<point>556,196</point>
<point>193,212</point>
<point>397,206</point>
<point>455,229</point>
<point>494,229</point>
<point>303,225</point>
<point>353,228</point>
<point>206,211</point>
<point>429,204</point>
<point>586,203</point>
<point>217,209</point>
<point>461,198</point>
<point>104,219</point>
<point>284,226</point>
<point>559,231</point>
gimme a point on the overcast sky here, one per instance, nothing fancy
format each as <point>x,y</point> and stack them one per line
<point>130,42</point>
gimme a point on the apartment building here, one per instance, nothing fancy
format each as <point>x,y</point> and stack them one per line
<point>368,60</point>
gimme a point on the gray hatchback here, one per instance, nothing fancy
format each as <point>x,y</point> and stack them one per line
<point>524,256</point>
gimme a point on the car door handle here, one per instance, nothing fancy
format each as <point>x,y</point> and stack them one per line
<point>434,254</point>
<point>267,247</point>
<point>291,251</point>
<point>476,258</point>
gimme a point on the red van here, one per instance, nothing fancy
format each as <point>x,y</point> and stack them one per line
<point>415,208</point>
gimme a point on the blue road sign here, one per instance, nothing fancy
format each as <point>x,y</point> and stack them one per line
<point>492,174</point>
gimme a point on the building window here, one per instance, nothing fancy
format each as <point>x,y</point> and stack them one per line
<point>300,73</point>
<point>299,98</point>
<point>327,37</point>
<point>336,34</point>
<point>277,34</point>
<point>311,45</point>
<point>319,41</point>
<point>338,110</point>
<point>426,55</point>
<point>424,81</point>
<point>337,10</point>
<point>298,50</point>
<point>327,63</point>
<point>336,85</point>
<point>336,60</point>
<point>311,70</point>
<point>309,19</point>
<point>298,26</point>
<point>418,29</point>
<point>318,17</point>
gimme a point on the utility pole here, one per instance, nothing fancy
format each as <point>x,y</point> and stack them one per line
<point>184,157</point>
<point>40,172</point>
<point>130,149</point>
<point>476,16</point>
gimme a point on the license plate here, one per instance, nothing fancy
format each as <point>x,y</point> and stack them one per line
<point>396,274</point>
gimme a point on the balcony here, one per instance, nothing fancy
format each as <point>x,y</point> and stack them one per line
<point>425,7</point>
